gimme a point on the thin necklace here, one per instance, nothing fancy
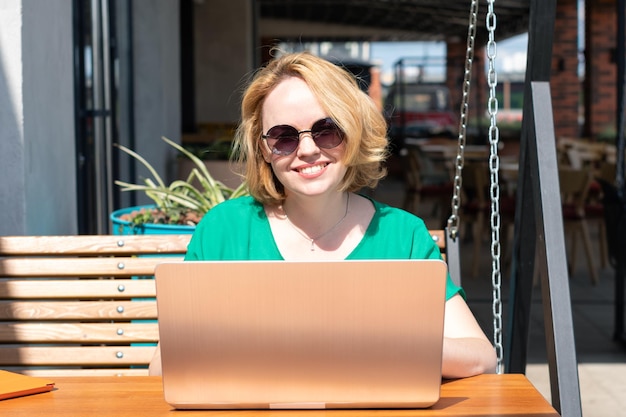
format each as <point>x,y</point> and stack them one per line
<point>313,239</point>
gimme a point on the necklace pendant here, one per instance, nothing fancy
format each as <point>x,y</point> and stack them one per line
<point>304,235</point>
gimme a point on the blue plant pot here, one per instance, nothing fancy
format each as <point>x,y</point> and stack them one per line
<point>125,227</point>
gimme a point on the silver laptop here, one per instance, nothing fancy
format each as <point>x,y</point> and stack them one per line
<point>276,334</point>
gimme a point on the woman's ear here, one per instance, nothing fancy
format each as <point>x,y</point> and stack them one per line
<point>267,155</point>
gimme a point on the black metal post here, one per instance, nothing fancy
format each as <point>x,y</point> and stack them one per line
<point>620,262</point>
<point>538,209</point>
<point>551,259</point>
<point>542,15</point>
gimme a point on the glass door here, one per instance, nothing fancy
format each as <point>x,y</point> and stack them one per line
<point>103,97</point>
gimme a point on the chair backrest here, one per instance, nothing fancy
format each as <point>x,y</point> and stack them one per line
<point>574,186</point>
<point>583,153</point>
<point>476,184</point>
<point>420,170</point>
<point>85,305</point>
<point>80,304</point>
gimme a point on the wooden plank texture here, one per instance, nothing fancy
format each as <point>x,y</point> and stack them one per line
<point>81,305</point>
<point>80,372</point>
<point>16,289</point>
<point>80,267</point>
<point>77,310</point>
<point>483,395</point>
<point>93,244</point>
<point>93,356</point>
<point>85,333</point>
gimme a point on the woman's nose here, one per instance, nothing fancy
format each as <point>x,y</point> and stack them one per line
<point>307,145</point>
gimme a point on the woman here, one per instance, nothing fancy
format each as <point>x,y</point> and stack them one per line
<point>309,140</point>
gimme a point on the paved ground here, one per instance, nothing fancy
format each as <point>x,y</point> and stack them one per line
<point>601,360</point>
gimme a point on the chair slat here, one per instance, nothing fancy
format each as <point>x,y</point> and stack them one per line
<point>93,244</point>
<point>63,372</point>
<point>77,310</point>
<point>80,267</point>
<point>95,356</point>
<point>84,333</point>
<point>76,288</point>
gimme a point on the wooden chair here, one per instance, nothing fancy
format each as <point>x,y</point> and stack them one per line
<point>425,181</point>
<point>594,205</point>
<point>580,153</point>
<point>598,157</point>
<point>574,185</point>
<point>80,304</point>
<point>475,207</point>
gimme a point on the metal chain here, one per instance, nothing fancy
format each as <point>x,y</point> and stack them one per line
<point>494,165</point>
<point>453,220</point>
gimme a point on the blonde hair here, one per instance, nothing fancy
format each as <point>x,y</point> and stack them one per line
<point>364,127</point>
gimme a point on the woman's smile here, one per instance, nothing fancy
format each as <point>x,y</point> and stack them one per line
<point>312,169</point>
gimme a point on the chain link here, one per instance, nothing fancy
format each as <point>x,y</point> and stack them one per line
<point>453,220</point>
<point>494,165</point>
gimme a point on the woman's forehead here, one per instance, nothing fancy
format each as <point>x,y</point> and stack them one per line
<point>291,102</point>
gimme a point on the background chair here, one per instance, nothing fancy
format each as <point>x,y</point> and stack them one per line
<point>475,207</point>
<point>574,185</point>
<point>595,205</point>
<point>425,180</point>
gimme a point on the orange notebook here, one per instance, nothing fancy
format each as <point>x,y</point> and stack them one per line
<point>16,385</point>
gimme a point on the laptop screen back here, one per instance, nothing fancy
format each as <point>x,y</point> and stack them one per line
<point>276,334</point>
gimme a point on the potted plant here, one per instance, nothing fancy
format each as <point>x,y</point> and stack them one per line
<point>215,155</point>
<point>178,206</point>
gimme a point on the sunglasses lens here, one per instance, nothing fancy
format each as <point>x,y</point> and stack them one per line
<point>326,134</point>
<point>283,139</point>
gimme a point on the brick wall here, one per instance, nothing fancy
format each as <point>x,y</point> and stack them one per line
<point>564,81</point>
<point>580,108</point>
<point>600,68</point>
<point>455,63</point>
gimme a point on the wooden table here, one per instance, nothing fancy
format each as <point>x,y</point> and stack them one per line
<point>445,150</point>
<point>484,395</point>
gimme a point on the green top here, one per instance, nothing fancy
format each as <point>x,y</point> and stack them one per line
<point>238,230</point>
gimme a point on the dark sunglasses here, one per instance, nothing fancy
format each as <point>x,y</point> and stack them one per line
<point>284,139</point>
